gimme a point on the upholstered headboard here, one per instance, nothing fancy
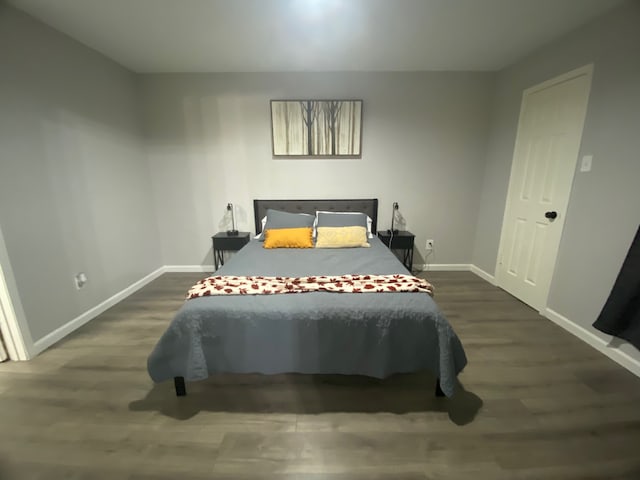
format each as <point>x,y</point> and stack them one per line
<point>367,206</point>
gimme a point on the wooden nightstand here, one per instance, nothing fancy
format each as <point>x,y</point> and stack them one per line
<point>402,240</point>
<point>223,242</point>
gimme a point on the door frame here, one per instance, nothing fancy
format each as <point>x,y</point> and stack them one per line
<point>584,70</point>
<point>15,332</point>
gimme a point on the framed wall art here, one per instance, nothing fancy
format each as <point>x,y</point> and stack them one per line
<point>316,128</point>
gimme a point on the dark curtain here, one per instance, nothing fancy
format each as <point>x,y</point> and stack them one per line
<point>620,316</point>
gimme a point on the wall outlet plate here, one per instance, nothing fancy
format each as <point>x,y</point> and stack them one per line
<point>80,280</point>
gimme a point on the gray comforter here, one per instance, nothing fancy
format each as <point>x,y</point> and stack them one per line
<point>373,334</point>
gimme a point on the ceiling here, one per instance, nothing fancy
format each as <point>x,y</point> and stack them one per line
<point>314,35</point>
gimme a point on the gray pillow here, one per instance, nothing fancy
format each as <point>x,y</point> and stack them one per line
<point>277,220</point>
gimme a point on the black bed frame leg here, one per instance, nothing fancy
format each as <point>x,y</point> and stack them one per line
<point>439,392</point>
<point>181,389</point>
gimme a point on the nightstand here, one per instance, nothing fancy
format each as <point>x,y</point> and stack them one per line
<point>223,242</point>
<point>402,240</point>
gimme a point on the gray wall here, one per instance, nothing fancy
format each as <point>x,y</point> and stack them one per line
<point>81,184</point>
<point>604,210</point>
<point>208,140</point>
<point>75,192</point>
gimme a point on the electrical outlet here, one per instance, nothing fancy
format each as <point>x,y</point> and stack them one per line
<point>80,279</point>
<point>429,245</point>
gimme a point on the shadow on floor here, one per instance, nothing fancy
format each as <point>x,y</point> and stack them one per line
<point>309,394</point>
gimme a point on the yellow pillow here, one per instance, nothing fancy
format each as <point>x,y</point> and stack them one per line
<point>341,237</point>
<point>288,238</point>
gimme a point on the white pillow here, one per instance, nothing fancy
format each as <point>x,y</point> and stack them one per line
<point>369,221</point>
<point>259,235</point>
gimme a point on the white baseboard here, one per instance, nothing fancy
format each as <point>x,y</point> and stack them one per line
<point>188,268</point>
<point>58,334</point>
<point>590,338</point>
<point>484,275</point>
<point>442,267</point>
<point>61,332</point>
<point>455,267</point>
<point>618,356</point>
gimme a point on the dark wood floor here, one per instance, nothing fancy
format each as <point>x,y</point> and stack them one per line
<point>536,403</point>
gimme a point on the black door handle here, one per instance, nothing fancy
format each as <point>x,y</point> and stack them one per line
<point>551,215</point>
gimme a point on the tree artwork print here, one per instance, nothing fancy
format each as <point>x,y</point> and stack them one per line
<point>316,128</point>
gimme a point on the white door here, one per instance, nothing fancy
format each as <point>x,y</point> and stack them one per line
<point>544,161</point>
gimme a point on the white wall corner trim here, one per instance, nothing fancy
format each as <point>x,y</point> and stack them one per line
<point>596,342</point>
<point>484,275</point>
<point>66,329</point>
<point>442,267</point>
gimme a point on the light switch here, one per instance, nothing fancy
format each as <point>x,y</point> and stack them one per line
<point>585,166</point>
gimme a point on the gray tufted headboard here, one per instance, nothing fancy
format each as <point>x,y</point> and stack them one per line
<point>368,206</point>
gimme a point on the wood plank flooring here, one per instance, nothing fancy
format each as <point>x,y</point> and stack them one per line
<point>536,403</point>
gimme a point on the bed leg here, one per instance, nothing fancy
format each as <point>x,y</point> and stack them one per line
<point>181,390</point>
<point>439,392</point>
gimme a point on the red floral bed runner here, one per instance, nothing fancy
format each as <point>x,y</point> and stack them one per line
<point>259,285</point>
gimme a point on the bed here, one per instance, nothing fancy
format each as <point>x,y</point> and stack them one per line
<point>318,332</point>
